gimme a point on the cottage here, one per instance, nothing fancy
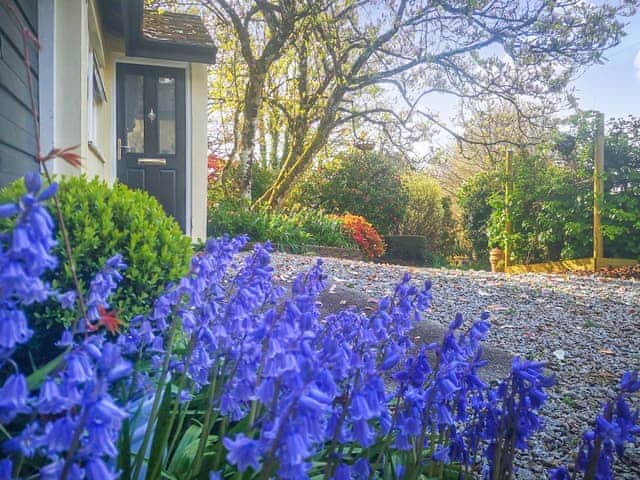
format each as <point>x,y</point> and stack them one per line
<point>126,84</point>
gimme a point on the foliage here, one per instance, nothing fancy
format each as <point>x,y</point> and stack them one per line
<point>227,187</point>
<point>337,70</point>
<point>103,221</point>
<point>428,214</point>
<point>621,210</point>
<point>289,229</point>
<point>551,203</point>
<point>550,209</point>
<point>362,183</point>
<point>475,211</point>
<point>363,234</point>
<point>228,377</point>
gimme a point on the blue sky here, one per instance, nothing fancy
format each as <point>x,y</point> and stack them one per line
<point>614,87</point>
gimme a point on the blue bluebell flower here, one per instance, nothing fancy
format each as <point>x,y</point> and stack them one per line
<point>243,452</point>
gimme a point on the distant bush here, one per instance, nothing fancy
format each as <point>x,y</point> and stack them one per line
<point>364,234</point>
<point>288,229</point>
<point>428,214</point>
<point>407,248</point>
<point>475,211</point>
<point>362,183</point>
<point>226,186</point>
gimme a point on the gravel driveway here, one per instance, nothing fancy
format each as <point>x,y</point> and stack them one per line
<point>588,329</point>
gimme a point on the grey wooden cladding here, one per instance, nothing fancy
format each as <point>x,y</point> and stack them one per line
<point>17,139</point>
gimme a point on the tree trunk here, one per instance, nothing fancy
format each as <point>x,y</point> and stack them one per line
<point>300,158</point>
<point>274,130</point>
<point>246,143</point>
<point>262,138</point>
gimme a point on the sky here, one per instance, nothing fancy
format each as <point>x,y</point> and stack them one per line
<point>612,87</point>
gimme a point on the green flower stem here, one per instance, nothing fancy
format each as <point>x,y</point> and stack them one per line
<point>75,442</point>
<point>387,440</point>
<point>156,401</point>
<point>206,427</point>
<point>223,431</point>
<point>270,463</point>
<point>154,470</point>
<point>415,473</point>
<point>330,468</point>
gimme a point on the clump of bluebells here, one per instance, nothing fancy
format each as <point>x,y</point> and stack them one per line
<point>228,376</point>
<point>614,428</point>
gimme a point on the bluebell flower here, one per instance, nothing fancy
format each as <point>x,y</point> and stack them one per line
<point>243,452</point>
<point>97,470</point>
<point>68,299</point>
<point>6,469</point>
<point>14,329</point>
<point>50,399</point>
<point>13,398</point>
<point>53,471</point>
<point>630,383</point>
<point>59,434</point>
<point>343,472</point>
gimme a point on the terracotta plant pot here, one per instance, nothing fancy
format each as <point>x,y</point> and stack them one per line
<point>496,258</point>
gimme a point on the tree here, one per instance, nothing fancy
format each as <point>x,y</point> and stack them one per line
<point>362,183</point>
<point>499,49</point>
<point>489,129</point>
<point>272,25</point>
<point>374,65</point>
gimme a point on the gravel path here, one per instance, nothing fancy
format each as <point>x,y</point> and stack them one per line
<point>588,329</point>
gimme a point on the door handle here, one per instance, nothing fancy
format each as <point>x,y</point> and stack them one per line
<point>119,149</point>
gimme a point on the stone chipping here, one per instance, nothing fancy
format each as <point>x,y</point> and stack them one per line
<point>586,328</point>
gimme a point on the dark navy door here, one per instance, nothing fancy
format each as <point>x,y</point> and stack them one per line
<point>151,134</point>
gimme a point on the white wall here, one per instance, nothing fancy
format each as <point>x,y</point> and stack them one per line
<point>199,150</point>
<point>64,100</point>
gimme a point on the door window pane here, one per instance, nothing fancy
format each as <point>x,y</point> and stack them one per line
<point>167,115</point>
<point>134,112</point>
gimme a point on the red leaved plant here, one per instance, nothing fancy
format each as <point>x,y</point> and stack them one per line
<point>363,234</point>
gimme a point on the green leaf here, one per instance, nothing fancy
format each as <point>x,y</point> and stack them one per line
<point>36,378</point>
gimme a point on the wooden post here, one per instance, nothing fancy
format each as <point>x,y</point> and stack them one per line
<point>508,187</point>
<point>598,188</point>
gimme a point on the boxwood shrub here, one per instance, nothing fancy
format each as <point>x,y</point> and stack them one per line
<point>101,222</point>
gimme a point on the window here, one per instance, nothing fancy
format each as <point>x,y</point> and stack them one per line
<point>96,96</point>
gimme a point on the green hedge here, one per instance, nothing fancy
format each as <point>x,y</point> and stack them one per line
<point>407,248</point>
<point>103,221</point>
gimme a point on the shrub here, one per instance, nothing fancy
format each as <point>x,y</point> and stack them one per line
<point>406,248</point>
<point>324,229</point>
<point>428,214</point>
<point>226,186</point>
<point>101,222</point>
<point>366,184</point>
<point>288,229</point>
<point>364,235</point>
<point>475,211</point>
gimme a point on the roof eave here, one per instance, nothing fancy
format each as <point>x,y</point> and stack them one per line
<point>136,45</point>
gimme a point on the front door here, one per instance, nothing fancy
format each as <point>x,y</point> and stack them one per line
<point>151,140</point>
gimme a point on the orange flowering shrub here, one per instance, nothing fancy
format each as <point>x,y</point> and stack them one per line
<point>363,234</point>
